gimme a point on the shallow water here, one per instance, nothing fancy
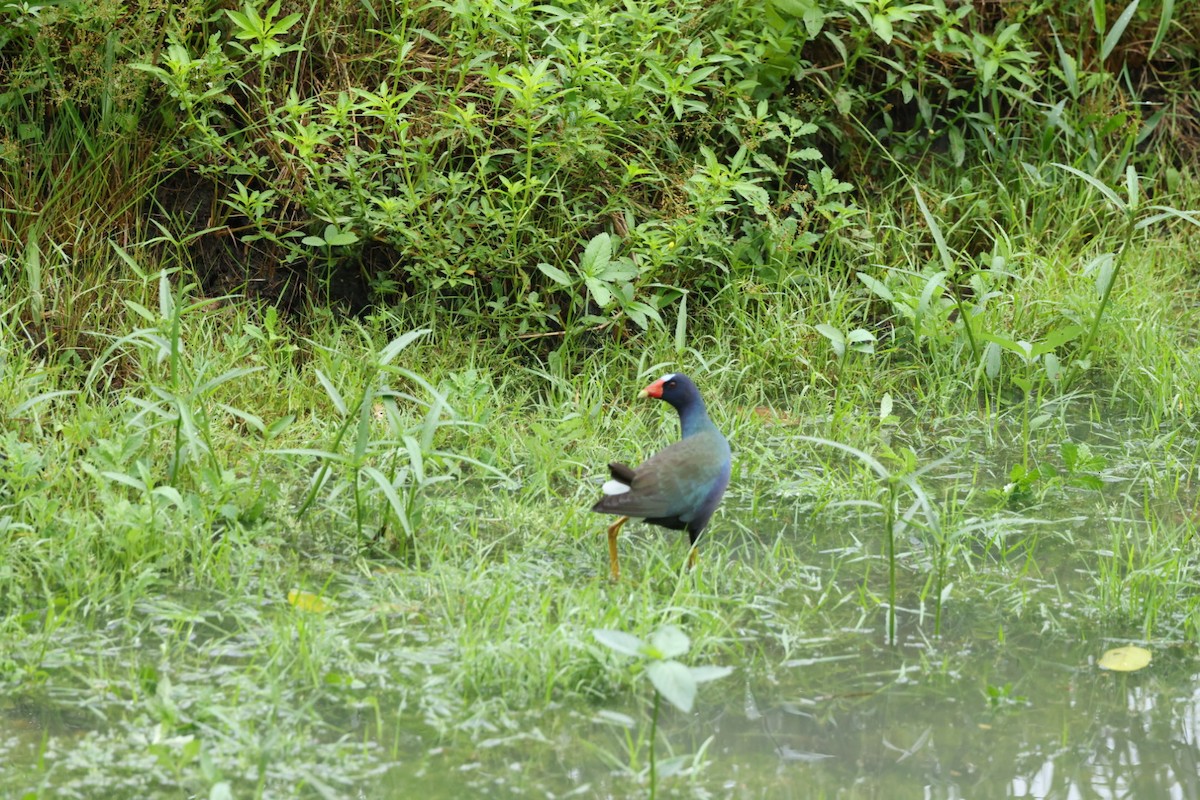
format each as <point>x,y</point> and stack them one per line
<point>1005,700</point>
<point>965,719</point>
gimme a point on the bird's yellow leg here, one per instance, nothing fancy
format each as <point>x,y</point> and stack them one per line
<point>613,565</point>
<point>692,558</point>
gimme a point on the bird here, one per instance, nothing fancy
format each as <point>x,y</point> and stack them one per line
<point>678,487</point>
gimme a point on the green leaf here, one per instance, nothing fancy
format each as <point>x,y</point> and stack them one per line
<point>674,682</point>
<point>858,336</point>
<point>642,313</point>
<point>44,397</point>
<point>554,273</point>
<point>877,286</point>
<point>882,25</point>
<point>242,22</point>
<point>1069,68</point>
<point>253,420</point>
<point>127,480</point>
<point>338,238</point>
<point>870,461</point>
<point>170,493</point>
<point>224,377</point>
<point>958,145</point>
<point>669,642</point>
<point>933,289</point>
<point>754,194</point>
<point>793,8</point>
<point>596,256</point>
<point>991,359</point>
<point>1052,366</point>
<point>286,23</point>
<point>622,269</point>
<point>600,293</point>
<point>1070,454</point>
<point>831,333</point>
<point>620,642</point>
<point>1057,338</point>
<point>837,339</point>
<point>843,100</point>
<point>708,673</point>
<point>861,340</point>
<point>279,426</point>
<point>166,300</point>
<point>814,20</point>
<point>1021,347</point>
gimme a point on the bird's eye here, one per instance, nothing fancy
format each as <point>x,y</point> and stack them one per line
<point>670,384</point>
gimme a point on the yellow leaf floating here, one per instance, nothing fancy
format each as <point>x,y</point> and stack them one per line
<point>307,601</point>
<point>1125,659</point>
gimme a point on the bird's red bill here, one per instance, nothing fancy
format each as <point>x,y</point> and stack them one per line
<point>654,389</point>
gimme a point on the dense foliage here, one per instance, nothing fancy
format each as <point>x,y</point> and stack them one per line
<point>552,166</point>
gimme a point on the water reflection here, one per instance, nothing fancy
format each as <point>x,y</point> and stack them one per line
<point>1014,722</point>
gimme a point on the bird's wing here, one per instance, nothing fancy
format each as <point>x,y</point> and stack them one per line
<point>673,481</point>
<point>622,472</point>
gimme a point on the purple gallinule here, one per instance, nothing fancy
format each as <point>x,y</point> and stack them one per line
<point>679,487</point>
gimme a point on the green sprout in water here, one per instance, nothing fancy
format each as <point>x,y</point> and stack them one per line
<point>672,680</point>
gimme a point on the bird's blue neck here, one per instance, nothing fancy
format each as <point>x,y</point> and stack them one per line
<point>693,418</point>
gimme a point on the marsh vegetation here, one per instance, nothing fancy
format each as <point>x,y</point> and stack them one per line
<point>322,323</point>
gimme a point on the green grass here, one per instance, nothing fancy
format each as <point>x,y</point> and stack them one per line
<point>176,466</point>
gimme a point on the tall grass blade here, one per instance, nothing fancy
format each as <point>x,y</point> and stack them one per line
<point>1118,30</point>
<point>389,491</point>
<point>334,395</point>
<point>397,345</point>
<point>879,469</point>
<point>1097,184</point>
<point>935,230</point>
<point>1166,212</point>
<point>1165,18</point>
<point>33,276</point>
<point>681,324</point>
<point>1099,16</point>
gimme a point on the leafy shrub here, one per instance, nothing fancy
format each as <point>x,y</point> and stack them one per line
<point>466,153</point>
